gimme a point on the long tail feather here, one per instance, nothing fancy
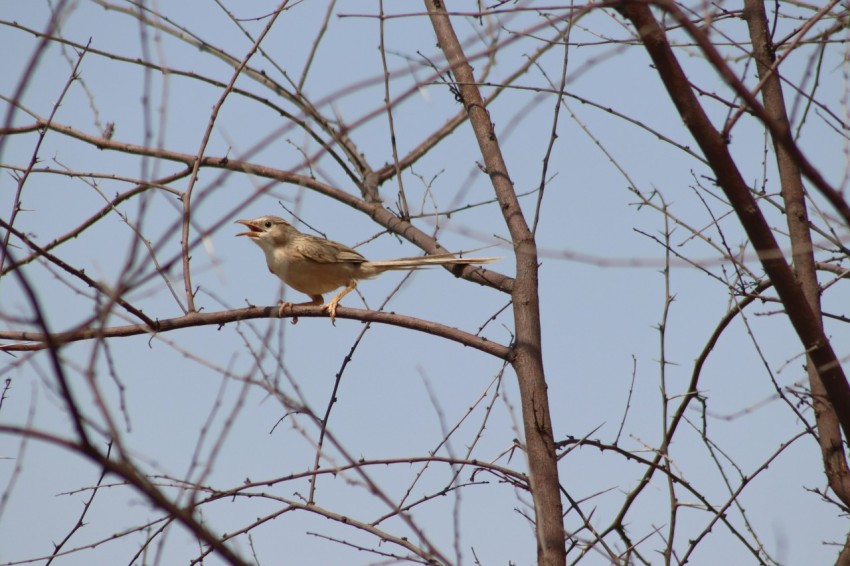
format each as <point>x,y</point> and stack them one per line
<point>425,261</point>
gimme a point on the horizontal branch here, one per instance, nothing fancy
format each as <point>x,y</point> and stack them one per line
<point>32,341</point>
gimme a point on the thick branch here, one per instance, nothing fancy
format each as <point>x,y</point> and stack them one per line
<point>793,194</point>
<point>779,130</point>
<point>803,319</point>
<point>528,355</point>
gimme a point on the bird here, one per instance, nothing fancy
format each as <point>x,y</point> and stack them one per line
<point>316,266</point>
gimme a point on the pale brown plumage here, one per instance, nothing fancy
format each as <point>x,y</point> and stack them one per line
<point>315,266</point>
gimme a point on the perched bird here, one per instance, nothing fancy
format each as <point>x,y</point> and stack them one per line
<point>315,266</point>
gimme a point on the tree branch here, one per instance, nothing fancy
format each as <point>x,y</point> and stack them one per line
<point>31,341</point>
<point>729,178</point>
<point>528,354</point>
<point>375,211</point>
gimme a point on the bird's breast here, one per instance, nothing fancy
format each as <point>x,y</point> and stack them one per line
<point>311,277</point>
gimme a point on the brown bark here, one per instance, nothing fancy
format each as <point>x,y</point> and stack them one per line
<point>793,195</point>
<point>804,320</point>
<point>528,358</point>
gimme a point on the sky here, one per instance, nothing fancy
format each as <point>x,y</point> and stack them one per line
<point>189,404</point>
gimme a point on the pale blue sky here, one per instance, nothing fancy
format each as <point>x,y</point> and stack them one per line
<point>599,316</point>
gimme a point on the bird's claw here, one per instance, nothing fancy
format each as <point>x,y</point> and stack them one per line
<point>331,308</point>
<point>283,306</point>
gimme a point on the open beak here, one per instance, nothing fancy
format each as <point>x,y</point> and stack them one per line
<point>254,231</point>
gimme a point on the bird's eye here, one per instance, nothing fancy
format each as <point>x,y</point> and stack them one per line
<point>268,224</point>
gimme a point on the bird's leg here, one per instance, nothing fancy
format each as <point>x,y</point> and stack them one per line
<point>315,301</point>
<point>331,305</point>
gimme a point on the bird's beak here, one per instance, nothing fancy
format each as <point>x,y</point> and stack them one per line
<point>254,230</point>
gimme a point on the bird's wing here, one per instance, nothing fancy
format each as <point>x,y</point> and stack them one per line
<point>328,251</point>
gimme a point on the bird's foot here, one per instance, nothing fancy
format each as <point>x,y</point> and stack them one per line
<point>332,304</point>
<point>331,308</point>
<point>315,301</point>
<point>286,305</point>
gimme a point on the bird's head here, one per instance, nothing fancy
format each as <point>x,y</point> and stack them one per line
<point>268,232</point>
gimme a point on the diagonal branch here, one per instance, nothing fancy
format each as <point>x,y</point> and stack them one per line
<point>794,196</point>
<point>802,317</point>
<point>781,132</point>
<point>375,211</point>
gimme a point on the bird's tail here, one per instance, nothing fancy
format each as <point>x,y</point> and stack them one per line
<point>425,261</point>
